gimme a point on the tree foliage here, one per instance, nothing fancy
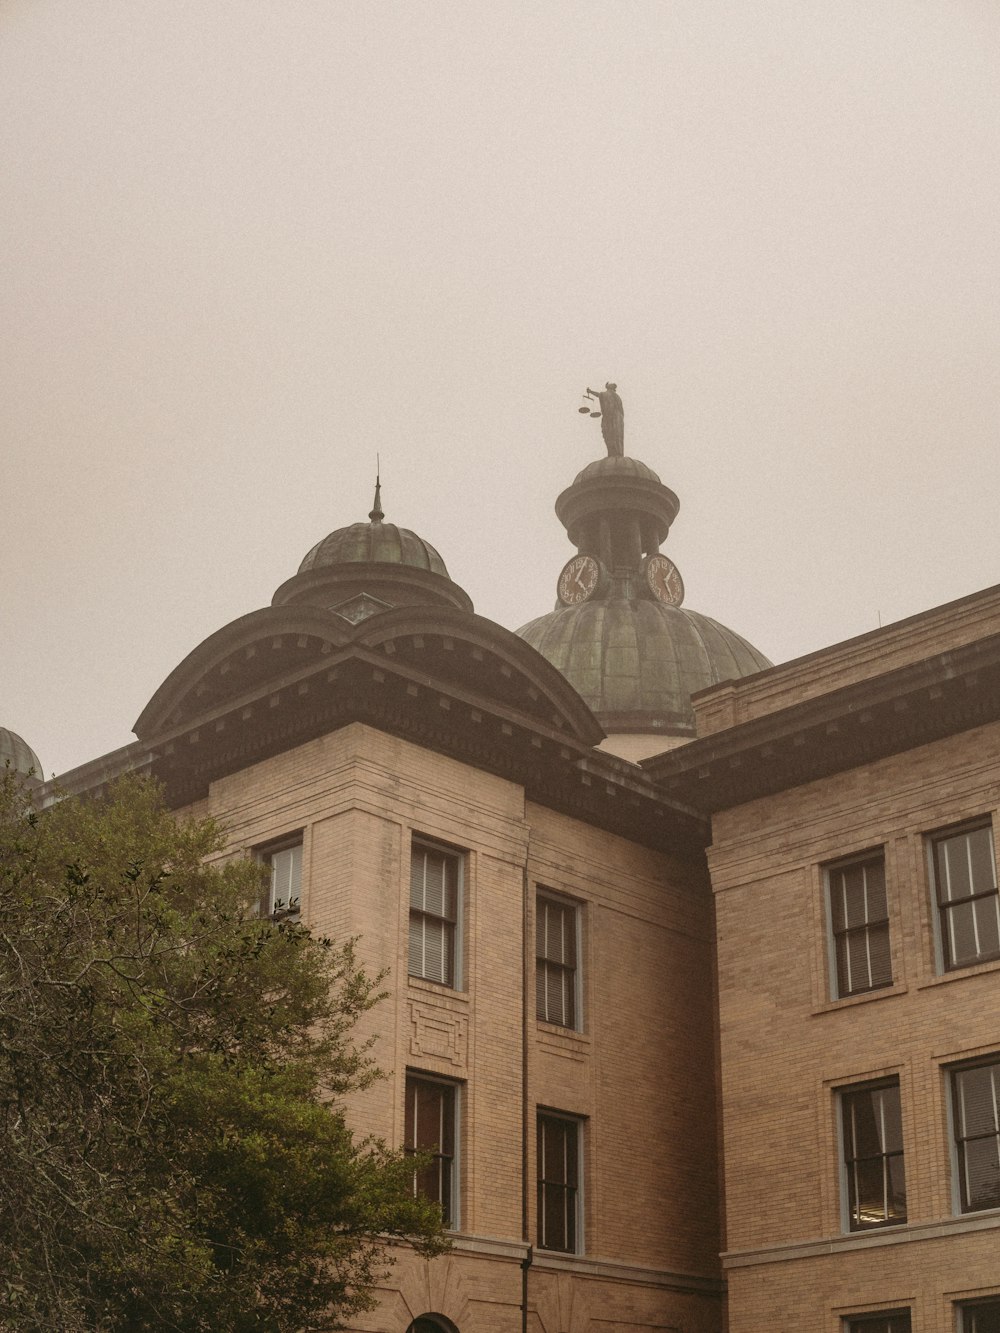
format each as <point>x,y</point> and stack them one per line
<point>172,1072</point>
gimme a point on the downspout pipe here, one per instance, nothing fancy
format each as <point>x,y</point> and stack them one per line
<point>525,936</point>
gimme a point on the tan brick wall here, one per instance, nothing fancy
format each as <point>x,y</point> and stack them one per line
<point>638,1074</point>
<point>786,1046</point>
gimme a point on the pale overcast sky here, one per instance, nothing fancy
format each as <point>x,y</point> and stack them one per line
<point>244,246</point>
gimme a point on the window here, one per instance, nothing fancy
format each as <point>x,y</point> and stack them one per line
<point>975,1101</point>
<point>435,878</point>
<point>965,881</point>
<point>284,893</point>
<point>873,1156</point>
<point>980,1316</point>
<point>888,1321</point>
<point>430,1129</point>
<point>558,1183</point>
<point>859,919</point>
<point>556,928</point>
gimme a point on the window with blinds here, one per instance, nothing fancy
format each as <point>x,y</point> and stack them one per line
<point>859,917</point>
<point>872,1127</point>
<point>430,1131</point>
<point>976,1116</point>
<point>556,975</point>
<point>558,1161</point>
<point>435,886</point>
<point>965,883</point>
<point>284,892</point>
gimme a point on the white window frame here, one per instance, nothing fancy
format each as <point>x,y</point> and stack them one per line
<point>833,969</point>
<point>460,858</point>
<point>931,839</point>
<point>265,854</point>
<point>951,1071</point>
<point>849,1090</point>
<point>542,893</point>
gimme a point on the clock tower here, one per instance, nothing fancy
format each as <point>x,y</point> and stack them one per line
<point>620,632</point>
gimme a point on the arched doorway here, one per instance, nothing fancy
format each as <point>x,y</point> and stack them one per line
<point>432,1323</point>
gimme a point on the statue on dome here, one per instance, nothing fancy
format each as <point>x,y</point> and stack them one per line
<point>612,416</point>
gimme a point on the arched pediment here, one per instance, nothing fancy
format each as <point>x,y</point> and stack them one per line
<point>241,658</point>
<point>282,648</point>
<point>474,654</point>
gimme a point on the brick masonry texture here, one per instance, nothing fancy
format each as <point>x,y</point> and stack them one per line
<point>787,1045</point>
<point>633,1074</point>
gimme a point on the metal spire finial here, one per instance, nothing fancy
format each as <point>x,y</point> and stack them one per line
<point>376,514</point>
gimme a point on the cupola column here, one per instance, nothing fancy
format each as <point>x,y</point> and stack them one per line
<point>605,550</point>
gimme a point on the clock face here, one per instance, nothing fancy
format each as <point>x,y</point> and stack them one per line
<point>664,580</point>
<point>578,580</point>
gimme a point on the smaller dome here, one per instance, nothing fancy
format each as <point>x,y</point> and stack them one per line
<point>376,543</point>
<point>19,754</point>
<point>629,468</point>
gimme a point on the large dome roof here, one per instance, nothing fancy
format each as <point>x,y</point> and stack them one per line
<point>19,754</point>
<point>637,662</point>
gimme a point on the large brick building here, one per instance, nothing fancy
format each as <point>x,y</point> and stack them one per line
<point>686,995</point>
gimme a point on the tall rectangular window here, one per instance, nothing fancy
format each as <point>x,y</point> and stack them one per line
<point>558,1151</point>
<point>965,883</point>
<point>859,917</point>
<point>435,883</point>
<point>980,1316</point>
<point>871,1124</point>
<point>976,1114</point>
<point>887,1321</point>
<point>556,928</point>
<point>284,892</point>
<point>430,1130</point>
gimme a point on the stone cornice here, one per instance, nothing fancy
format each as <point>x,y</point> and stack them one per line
<point>438,677</point>
<point>859,723</point>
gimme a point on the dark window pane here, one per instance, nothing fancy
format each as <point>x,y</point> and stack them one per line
<point>976,1113</point>
<point>983,1317</point>
<point>978,1099</point>
<point>897,1321</point>
<point>981,859</point>
<point>982,1173</point>
<point>988,924</point>
<point>966,887</point>
<point>430,1130</point>
<point>859,914</point>
<point>873,1157</point>
<point>558,1196</point>
<point>953,861</point>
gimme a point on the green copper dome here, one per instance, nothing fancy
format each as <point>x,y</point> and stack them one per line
<point>380,543</point>
<point>619,632</point>
<point>365,568</point>
<point>636,662</point>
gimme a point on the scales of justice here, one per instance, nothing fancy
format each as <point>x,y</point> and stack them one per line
<point>617,533</point>
<point>612,416</point>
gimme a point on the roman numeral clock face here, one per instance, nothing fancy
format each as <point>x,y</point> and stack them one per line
<point>578,580</point>
<point>664,581</point>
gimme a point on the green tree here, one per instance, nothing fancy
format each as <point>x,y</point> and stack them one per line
<point>172,1074</point>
